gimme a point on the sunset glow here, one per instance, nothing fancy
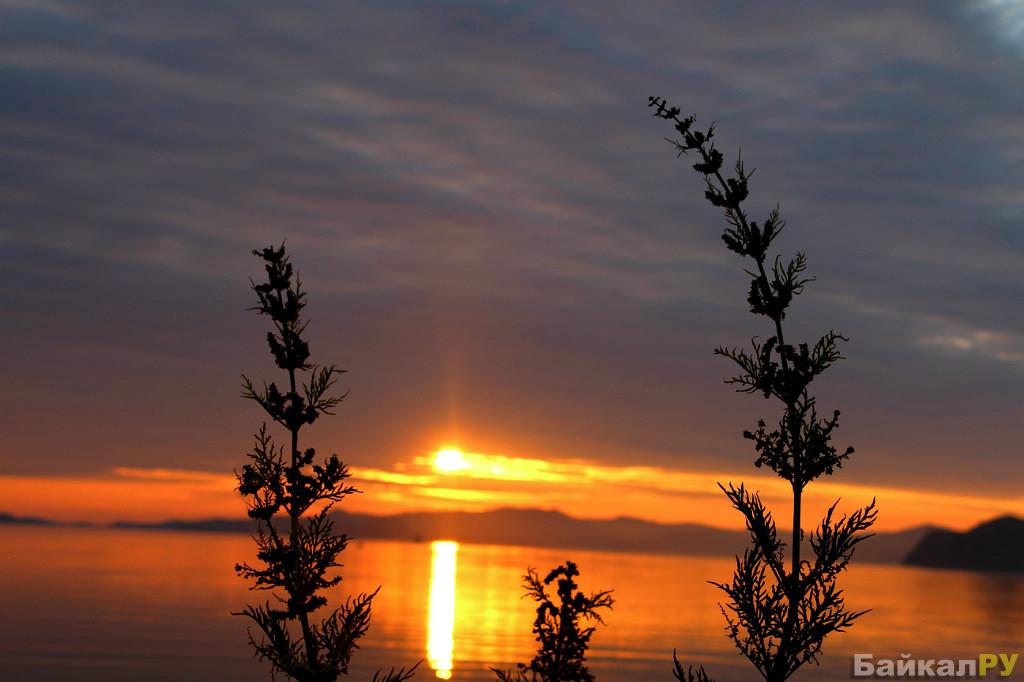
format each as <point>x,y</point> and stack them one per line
<point>478,465</point>
<point>452,479</point>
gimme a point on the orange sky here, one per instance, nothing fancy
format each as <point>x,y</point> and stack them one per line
<point>475,481</point>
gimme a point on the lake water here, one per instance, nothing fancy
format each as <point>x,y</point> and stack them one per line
<point>84,605</point>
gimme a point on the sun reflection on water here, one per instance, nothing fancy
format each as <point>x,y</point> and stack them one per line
<point>441,619</point>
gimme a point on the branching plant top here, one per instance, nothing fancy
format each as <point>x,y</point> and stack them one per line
<point>290,494</point>
<point>777,615</point>
<point>562,630</point>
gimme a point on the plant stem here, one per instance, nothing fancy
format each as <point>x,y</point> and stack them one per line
<point>793,591</point>
<point>312,659</point>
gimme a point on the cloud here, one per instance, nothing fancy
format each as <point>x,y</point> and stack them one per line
<point>496,239</point>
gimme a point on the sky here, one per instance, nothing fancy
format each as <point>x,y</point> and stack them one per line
<point>502,249</point>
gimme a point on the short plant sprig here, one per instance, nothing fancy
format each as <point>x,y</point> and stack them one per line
<point>778,617</point>
<point>562,630</point>
<point>297,555</point>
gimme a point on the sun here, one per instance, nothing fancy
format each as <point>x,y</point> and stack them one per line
<point>450,460</point>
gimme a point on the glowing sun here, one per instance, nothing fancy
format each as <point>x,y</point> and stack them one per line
<point>450,460</point>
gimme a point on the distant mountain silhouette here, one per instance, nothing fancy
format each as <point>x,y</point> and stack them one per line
<point>892,548</point>
<point>543,528</point>
<point>30,520</point>
<point>996,545</point>
<point>528,527</point>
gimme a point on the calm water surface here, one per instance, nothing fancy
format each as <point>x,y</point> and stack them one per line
<point>109,605</point>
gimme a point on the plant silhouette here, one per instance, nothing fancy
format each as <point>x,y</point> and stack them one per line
<point>777,617</point>
<point>562,630</point>
<point>297,552</point>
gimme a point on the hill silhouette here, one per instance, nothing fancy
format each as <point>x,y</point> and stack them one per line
<point>28,520</point>
<point>996,545</point>
<point>543,528</point>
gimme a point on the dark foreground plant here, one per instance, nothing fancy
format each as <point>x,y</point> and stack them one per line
<point>562,630</point>
<point>777,616</point>
<point>289,494</point>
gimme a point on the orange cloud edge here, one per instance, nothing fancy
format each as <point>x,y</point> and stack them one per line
<point>577,487</point>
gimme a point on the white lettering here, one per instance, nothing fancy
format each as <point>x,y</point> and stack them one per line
<point>862,665</point>
<point>968,668</point>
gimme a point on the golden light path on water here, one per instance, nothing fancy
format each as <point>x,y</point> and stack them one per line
<point>441,618</point>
